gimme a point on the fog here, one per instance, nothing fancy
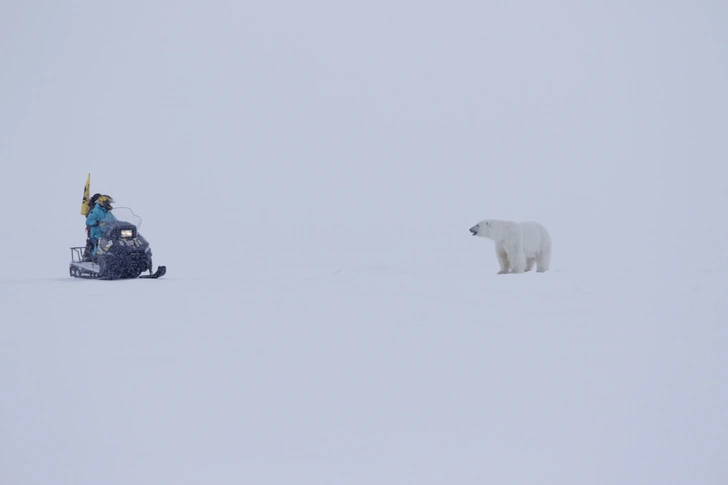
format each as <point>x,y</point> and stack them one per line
<point>369,125</point>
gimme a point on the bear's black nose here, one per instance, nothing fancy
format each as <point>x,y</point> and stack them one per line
<point>474,230</point>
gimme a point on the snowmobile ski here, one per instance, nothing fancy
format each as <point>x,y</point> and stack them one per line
<point>161,271</point>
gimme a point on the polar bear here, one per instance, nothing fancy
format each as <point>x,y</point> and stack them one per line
<point>518,245</point>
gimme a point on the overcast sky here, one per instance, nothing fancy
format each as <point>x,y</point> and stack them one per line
<point>362,123</point>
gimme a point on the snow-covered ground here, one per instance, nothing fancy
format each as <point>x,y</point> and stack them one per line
<point>308,172</point>
<point>367,371</point>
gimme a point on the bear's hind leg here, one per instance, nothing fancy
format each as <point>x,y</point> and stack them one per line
<point>543,261</point>
<point>529,263</point>
<point>502,260</point>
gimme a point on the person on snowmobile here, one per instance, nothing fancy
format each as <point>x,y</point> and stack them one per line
<point>97,218</point>
<point>88,251</point>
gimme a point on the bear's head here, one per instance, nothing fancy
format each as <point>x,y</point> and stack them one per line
<point>481,229</point>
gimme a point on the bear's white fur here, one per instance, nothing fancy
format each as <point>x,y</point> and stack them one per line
<point>518,245</point>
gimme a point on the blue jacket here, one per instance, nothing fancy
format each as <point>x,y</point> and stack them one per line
<point>97,219</point>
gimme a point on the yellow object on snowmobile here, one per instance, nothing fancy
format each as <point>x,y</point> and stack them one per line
<point>85,203</point>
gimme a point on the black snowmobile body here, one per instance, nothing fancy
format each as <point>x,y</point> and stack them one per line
<point>122,254</point>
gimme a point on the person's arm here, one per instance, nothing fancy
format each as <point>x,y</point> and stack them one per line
<point>93,218</point>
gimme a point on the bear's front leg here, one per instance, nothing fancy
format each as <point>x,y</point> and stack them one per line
<point>502,260</point>
<point>517,261</point>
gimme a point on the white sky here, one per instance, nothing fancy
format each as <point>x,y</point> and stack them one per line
<point>358,124</point>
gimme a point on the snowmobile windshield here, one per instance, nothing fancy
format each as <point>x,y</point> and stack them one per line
<point>125,214</point>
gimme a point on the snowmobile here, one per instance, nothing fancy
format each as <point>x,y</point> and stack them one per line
<point>122,253</point>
